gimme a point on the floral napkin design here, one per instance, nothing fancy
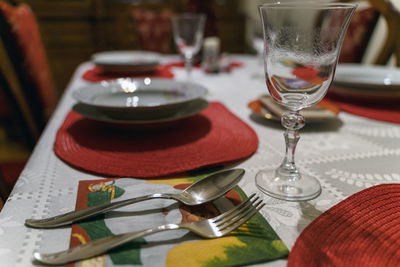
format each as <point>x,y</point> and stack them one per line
<point>253,242</point>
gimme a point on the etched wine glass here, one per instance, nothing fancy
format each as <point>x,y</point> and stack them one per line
<point>188,30</point>
<point>302,42</point>
<point>257,41</point>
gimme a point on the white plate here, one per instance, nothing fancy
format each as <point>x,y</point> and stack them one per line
<point>126,61</point>
<point>131,118</point>
<point>148,97</point>
<point>366,77</point>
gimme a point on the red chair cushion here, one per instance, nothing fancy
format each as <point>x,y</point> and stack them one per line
<point>358,34</point>
<point>154,29</point>
<point>25,29</point>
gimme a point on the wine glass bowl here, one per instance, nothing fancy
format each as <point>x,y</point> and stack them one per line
<point>188,31</point>
<point>302,41</point>
<point>257,43</point>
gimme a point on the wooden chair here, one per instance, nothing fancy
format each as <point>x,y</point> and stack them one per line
<point>359,33</point>
<point>19,109</point>
<point>391,46</point>
<point>15,145</point>
<point>22,42</point>
<point>19,133</point>
<point>153,29</point>
<point>25,89</point>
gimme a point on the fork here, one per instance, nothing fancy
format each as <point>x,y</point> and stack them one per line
<point>211,228</point>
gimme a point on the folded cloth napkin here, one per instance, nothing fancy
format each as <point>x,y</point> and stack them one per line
<point>253,242</point>
<point>227,67</point>
<point>96,74</point>
<point>374,109</point>
<point>264,106</point>
<point>213,137</point>
<point>362,230</point>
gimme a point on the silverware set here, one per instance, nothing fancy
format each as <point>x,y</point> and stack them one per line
<point>205,190</point>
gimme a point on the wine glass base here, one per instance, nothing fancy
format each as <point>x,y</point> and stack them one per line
<point>305,188</point>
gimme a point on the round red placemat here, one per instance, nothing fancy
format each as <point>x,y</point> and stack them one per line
<point>363,230</point>
<point>213,137</point>
<point>96,74</point>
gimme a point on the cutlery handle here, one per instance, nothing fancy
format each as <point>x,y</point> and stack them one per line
<point>77,215</point>
<point>97,247</point>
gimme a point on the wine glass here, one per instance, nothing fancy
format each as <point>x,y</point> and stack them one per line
<point>257,41</point>
<point>302,41</point>
<point>188,29</point>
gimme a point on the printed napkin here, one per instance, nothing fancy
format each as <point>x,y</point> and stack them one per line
<point>264,106</point>
<point>253,242</point>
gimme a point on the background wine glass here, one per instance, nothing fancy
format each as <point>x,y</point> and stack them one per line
<point>302,42</point>
<point>257,42</point>
<point>188,30</point>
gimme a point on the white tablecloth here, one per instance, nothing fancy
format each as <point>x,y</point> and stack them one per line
<point>346,157</point>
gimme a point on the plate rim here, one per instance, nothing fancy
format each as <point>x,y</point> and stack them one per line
<point>367,85</point>
<point>77,96</point>
<point>156,58</point>
<point>202,104</point>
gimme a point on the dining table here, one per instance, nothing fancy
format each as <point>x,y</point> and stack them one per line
<point>347,154</point>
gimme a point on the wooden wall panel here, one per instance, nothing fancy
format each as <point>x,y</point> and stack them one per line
<point>72,30</point>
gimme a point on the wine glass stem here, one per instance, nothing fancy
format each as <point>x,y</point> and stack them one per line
<point>188,66</point>
<point>292,121</point>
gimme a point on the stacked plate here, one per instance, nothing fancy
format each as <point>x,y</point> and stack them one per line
<point>365,82</point>
<point>126,61</point>
<point>140,101</point>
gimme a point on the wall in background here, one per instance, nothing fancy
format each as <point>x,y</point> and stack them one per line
<point>75,29</point>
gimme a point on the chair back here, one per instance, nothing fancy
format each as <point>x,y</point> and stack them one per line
<point>18,109</point>
<point>359,33</point>
<point>154,29</point>
<point>391,46</point>
<point>21,38</point>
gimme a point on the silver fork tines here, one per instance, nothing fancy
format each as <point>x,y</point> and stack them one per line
<point>240,216</point>
<point>233,214</point>
<point>211,228</point>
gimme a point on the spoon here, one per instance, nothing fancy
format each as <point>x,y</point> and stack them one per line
<point>205,190</point>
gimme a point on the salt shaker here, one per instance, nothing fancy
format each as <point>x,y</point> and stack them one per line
<point>211,47</point>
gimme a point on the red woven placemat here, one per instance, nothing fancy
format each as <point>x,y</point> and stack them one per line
<point>213,137</point>
<point>363,230</point>
<point>96,74</point>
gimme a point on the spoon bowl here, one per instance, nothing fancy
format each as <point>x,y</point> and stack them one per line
<point>210,188</point>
